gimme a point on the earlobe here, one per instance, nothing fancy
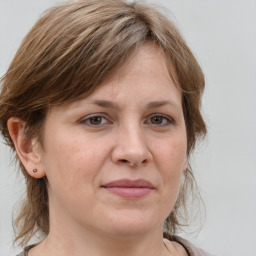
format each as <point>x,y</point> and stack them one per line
<point>28,149</point>
<point>185,165</point>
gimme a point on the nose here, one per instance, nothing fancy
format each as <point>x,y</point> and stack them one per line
<point>131,148</point>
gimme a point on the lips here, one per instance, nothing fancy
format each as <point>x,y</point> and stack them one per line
<point>132,189</point>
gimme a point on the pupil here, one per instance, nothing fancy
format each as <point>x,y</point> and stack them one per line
<point>157,120</point>
<point>95,120</point>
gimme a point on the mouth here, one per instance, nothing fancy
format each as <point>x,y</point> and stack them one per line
<point>132,189</point>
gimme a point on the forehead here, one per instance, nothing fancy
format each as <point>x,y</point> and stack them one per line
<point>143,77</point>
<point>145,59</point>
<point>145,69</point>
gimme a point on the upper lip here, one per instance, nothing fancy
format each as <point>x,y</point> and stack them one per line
<point>127,183</point>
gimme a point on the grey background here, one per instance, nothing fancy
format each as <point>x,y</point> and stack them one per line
<point>222,35</point>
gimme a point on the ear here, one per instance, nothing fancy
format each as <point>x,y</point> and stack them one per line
<point>185,164</point>
<point>28,149</point>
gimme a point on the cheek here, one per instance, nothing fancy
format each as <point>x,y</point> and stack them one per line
<point>172,155</point>
<point>70,161</point>
<point>171,161</point>
<point>71,172</point>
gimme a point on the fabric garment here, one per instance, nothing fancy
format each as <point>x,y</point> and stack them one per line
<point>191,249</point>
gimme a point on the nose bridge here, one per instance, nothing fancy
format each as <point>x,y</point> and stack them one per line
<point>132,137</point>
<point>132,145</point>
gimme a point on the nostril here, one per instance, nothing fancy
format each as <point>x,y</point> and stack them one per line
<point>124,161</point>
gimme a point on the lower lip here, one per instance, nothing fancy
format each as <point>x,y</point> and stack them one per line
<point>132,193</point>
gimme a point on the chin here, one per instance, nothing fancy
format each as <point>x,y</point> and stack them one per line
<point>133,222</point>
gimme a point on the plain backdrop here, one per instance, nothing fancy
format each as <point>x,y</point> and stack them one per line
<point>222,35</point>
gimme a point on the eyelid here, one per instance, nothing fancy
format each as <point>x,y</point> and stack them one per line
<point>169,119</point>
<point>84,119</point>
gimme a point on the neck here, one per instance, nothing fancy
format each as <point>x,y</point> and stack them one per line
<point>69,237</point>
<point>68,242</point>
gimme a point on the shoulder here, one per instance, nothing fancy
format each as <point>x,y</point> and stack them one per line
<point>190,248</point>
<point>25,251</point>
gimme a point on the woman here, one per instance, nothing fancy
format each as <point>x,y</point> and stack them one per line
<point>101,106</point>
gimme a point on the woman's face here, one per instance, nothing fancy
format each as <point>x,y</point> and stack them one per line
<point>114,160</point>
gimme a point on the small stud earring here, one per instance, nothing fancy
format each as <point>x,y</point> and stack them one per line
<point>132,164</point>
<point>35,170</point>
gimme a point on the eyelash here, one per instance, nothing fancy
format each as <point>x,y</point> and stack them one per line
<point>168,120</point>
<point>87,120</point>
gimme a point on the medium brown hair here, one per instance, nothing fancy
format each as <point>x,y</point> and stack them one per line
<point>68,53</point>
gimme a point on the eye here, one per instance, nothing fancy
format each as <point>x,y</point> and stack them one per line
<point>159,120</point>
<point>94,120</point>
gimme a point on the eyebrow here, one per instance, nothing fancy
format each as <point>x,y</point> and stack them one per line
<point>106,104</point>
<point>153,104</point>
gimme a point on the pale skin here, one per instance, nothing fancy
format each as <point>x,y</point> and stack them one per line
<point>132,127</point>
